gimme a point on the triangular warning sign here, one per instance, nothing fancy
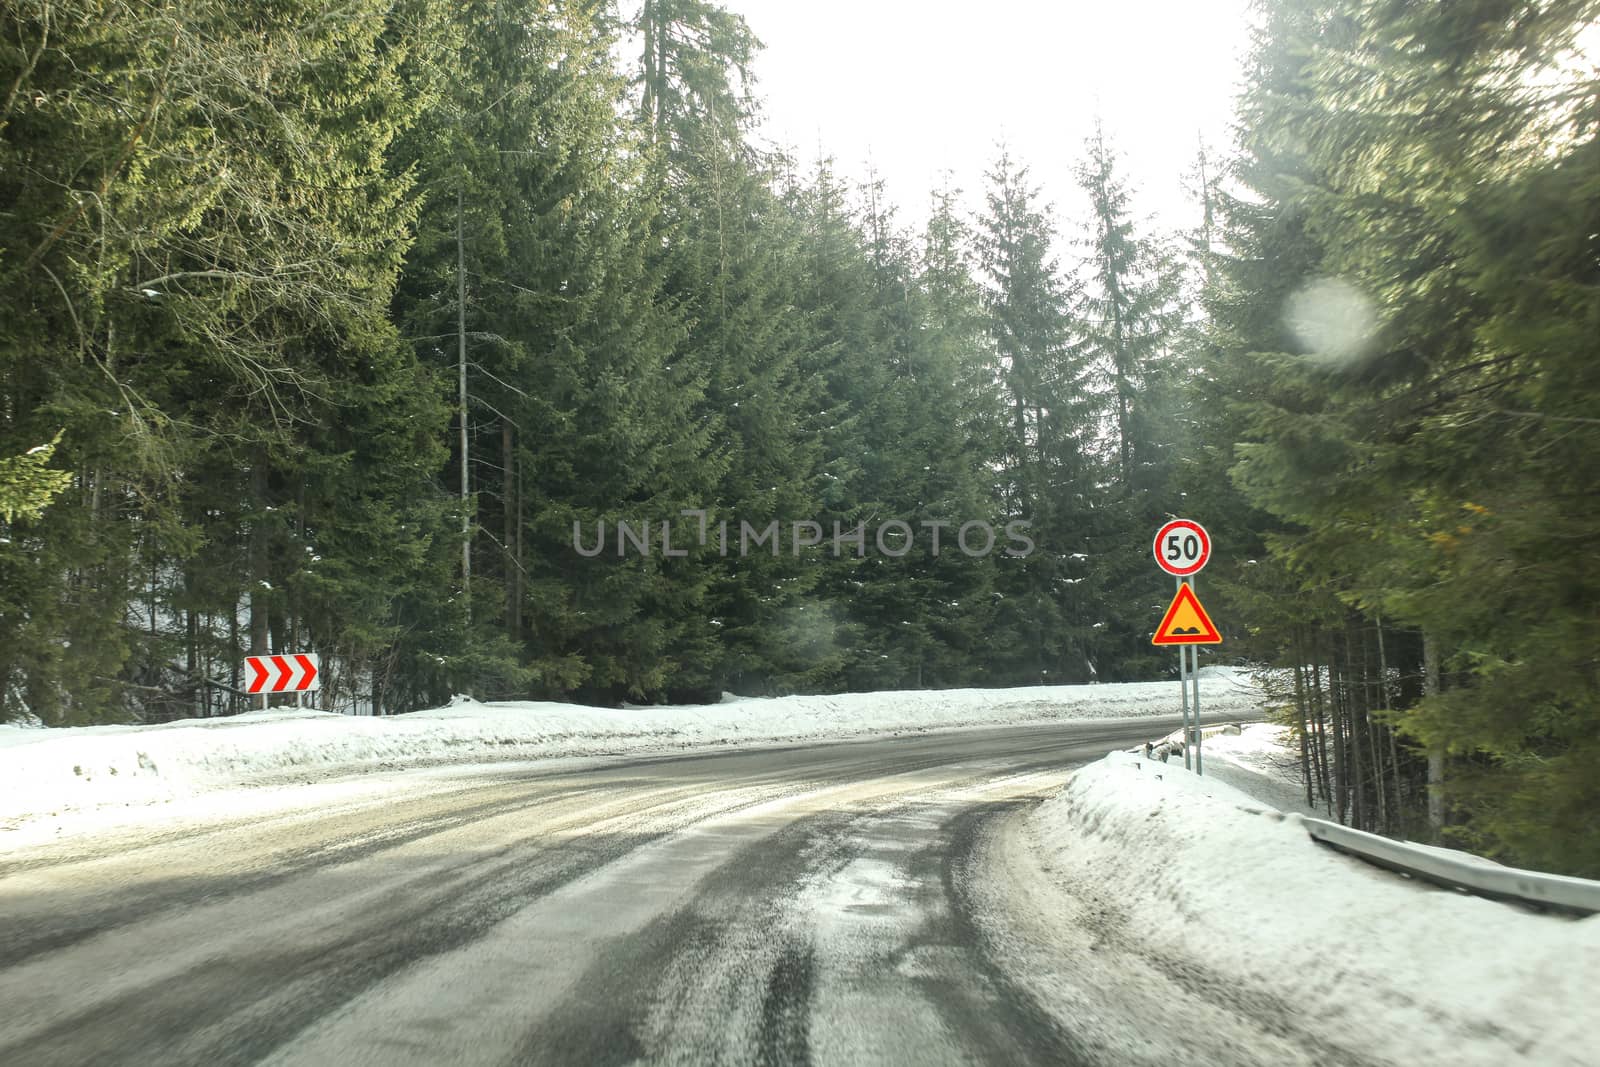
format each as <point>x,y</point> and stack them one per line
<point>1186,622</point>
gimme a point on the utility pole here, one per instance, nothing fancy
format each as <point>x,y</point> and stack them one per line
<point>461,338</point>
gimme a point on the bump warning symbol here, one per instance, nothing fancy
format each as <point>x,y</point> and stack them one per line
<point>1186,622</point>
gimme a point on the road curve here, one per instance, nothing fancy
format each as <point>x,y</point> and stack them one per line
<point>773,906</point>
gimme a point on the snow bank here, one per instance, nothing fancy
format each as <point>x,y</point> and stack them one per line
<point>50,771</point>
<point>1369,963</point>
<point>1262,760</point>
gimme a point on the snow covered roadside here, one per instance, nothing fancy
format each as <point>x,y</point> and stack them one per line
<point>47,772</point>
<point>1261,760</point>
<point>1233,896</point>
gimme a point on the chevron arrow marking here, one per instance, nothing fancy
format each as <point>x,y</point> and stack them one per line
<point>284,674</point>
<point>308,678</point>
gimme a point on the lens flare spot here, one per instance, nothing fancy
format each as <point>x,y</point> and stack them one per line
<point>1333,319</point>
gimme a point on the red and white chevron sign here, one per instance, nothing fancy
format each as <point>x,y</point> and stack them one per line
<point>283,674</point>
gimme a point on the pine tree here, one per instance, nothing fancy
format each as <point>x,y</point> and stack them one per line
<point>1426,460</point>
<point>917,612</point>
<point>1050,470</point>
<point>198,213</point>
<point>733,246</point>
<point>1129,310</point>
<point>28,484</point>
<point>578,414</point>
<point>694,75</point>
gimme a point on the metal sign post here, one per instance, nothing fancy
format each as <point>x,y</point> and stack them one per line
<point>1182,548</point>
<point>1199,768</point>
<point>1183,687</point>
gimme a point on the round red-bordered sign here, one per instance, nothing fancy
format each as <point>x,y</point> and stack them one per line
<point>1182,547</point>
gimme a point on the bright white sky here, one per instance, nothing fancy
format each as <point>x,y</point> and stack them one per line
<point>925,86</point>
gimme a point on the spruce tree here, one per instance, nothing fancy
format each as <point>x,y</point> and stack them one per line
<point>1129,310</point>
<point>198,213</point>
<point>1050,469</point>
<point>1425,460</point>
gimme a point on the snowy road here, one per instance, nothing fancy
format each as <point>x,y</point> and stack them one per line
<point>827,904</point>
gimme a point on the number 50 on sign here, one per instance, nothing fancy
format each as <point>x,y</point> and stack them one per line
<point>1182,547</point>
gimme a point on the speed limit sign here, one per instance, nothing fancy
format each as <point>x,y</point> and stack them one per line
<point>1182,547</point>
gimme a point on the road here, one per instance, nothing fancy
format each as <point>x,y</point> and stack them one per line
<point>821,904</point>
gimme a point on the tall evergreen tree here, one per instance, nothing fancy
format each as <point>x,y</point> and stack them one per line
<point>578,414</point>
<point>917,611</point>
<point>1050,467</point>
<point>694,75</point>
<point>200,233</point>
<point>1419,452</point>
<point>1129,310</point>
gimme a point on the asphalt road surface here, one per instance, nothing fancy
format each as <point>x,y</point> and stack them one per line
<point>820,904</point>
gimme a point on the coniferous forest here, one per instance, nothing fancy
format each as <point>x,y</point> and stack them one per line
<point>347,327</point>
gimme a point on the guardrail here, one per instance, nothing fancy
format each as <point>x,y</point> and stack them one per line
<point>1554,892</point>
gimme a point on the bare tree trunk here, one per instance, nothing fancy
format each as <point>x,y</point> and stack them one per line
<point>260,602</point>
<point>1322,732</point>
<point>508,462</point>
<point>1341,737</point>
<point>191,635</point>
<point>233,658</point>
<point>519,579</point>
<point>296,639</point>
<point>1355,712</point>
<point>1379,790</point>
<point>466,483</point>
<point>1432,686</point>
<point>1394,752</point>
<point>1300,708</point>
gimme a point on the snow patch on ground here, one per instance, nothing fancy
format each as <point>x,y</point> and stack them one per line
<point>47,772</point>
<point>1232,893</point>
<point>1262,759</point>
